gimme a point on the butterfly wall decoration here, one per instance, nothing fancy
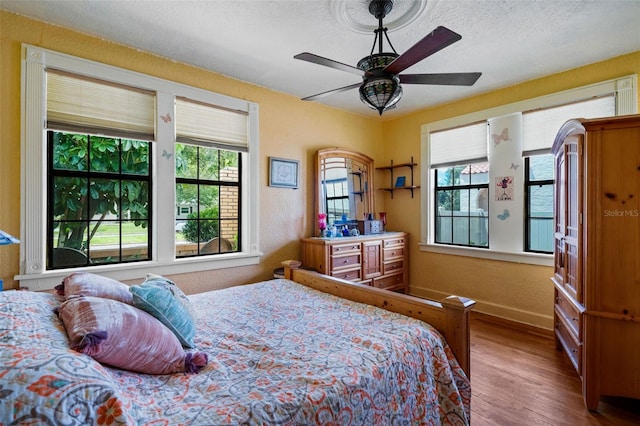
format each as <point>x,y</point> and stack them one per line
<point>499,137</point>
<point>505,215</point>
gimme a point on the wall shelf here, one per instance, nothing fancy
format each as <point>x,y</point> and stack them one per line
<point>391,168</point>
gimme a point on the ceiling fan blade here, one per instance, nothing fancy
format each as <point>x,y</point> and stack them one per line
<point>331,92</point>
<point>433,42</point>
<point>310,57</point>
<point>447,79</point>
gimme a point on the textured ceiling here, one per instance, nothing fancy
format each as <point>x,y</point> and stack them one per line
<point>509,41</point>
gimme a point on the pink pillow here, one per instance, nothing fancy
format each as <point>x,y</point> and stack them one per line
<point>125,337</point>
<point>88,284</point>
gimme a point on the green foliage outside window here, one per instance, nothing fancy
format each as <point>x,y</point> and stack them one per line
<point>84,193</point>
<point>208,226</point>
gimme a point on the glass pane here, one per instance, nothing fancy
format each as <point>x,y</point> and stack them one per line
<point>209,201</point>
<point>67,256</point>
<point>541,235</point>
<point>104,155</point>
<point>479,173</point>
<point>479,199</point>
<point>135,157</point>
<point>70,151</point>
<point>541,167</point>
<point>229,202</point>
<point>186,200</point>
<point>134,200</point>
<point>103,196</point>
<point>186,161</point>
<point>462,175</point>
<point>479,234</point>
<point>444,229</point>
<point>444,176</point>
<point>71,234</point>
<point>209,163</point>
<point>209,229</point>
<point>230,163</point>
<point>229,231</point>
<point>445,202</point>
<point>190,230</point>
<point>541,201</point>
<point>69,198</point>
<point>135,240</point>
<point>461,230</point>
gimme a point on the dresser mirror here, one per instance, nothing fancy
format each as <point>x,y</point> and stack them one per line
<point>344,185</point>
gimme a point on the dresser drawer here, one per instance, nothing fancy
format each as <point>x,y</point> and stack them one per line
<point>393,266</point>
<point>342,262</point>
<point>571,346</point>
<point>394,253</point>
<point>345,248</point>
<point>350,275</point>
<point>390,282</point>
<point>570,312</point>
<point>390,242</point>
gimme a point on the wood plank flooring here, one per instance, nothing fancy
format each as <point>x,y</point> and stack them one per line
<point>519,378</point>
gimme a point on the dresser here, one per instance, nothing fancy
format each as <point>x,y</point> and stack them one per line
<point>597,253</point>
<point>379,260</point>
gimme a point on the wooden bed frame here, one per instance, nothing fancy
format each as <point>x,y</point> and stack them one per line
<point>450,316</point>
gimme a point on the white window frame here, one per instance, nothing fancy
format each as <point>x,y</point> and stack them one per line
<point>625,89</point>
<point>33,273</point>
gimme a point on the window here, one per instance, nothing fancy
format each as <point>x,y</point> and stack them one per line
<point>208,178</point>
<point>100,190</point>
<point>461,179</point>
<point>512,143</point>
<point>539,203</point>
<point>337,196</point>
<point>121,159</point>
<point>462,209</point>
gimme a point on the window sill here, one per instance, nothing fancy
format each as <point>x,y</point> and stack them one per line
<point>49,279</point>
<point>504,256</point>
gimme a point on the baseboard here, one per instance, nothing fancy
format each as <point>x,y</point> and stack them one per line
<point>514,325</point>
<point>506,313</point>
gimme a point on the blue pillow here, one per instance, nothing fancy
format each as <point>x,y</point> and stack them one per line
<point>170,311</point>
<point>160,281</point>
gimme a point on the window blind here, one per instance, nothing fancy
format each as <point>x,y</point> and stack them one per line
<point>80,104</point>
<point>540,127</point>
<point>459,145</point>
<point>204,124</point>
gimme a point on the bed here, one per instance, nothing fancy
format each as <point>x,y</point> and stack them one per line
<point>306,349</point>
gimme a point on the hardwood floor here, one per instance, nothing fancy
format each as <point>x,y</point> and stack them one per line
<point>519,378</point>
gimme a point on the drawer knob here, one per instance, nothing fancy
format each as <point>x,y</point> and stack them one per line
<point>574,319</point>
<point>574,350</point>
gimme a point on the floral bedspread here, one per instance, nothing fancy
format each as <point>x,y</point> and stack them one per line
<point>279,353</point>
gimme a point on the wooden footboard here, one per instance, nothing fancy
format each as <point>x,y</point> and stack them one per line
<point>450,316</point>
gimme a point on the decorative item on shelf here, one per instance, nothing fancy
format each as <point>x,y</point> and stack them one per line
<point>400,181</point>
<point>383,219</point>
<point>322,223</point>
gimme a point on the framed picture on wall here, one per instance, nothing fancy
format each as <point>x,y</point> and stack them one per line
<point>283,172</point>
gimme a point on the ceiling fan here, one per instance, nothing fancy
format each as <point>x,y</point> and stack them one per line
<point>380,88</point>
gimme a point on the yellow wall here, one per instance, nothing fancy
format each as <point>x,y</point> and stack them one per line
<point>519,292</point>
<point>291,128</point>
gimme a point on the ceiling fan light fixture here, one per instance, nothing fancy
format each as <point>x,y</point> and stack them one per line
<point>381,93</point>
<point>377,60</point>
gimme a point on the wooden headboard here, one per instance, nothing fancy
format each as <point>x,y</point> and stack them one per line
<point>450,316</point>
